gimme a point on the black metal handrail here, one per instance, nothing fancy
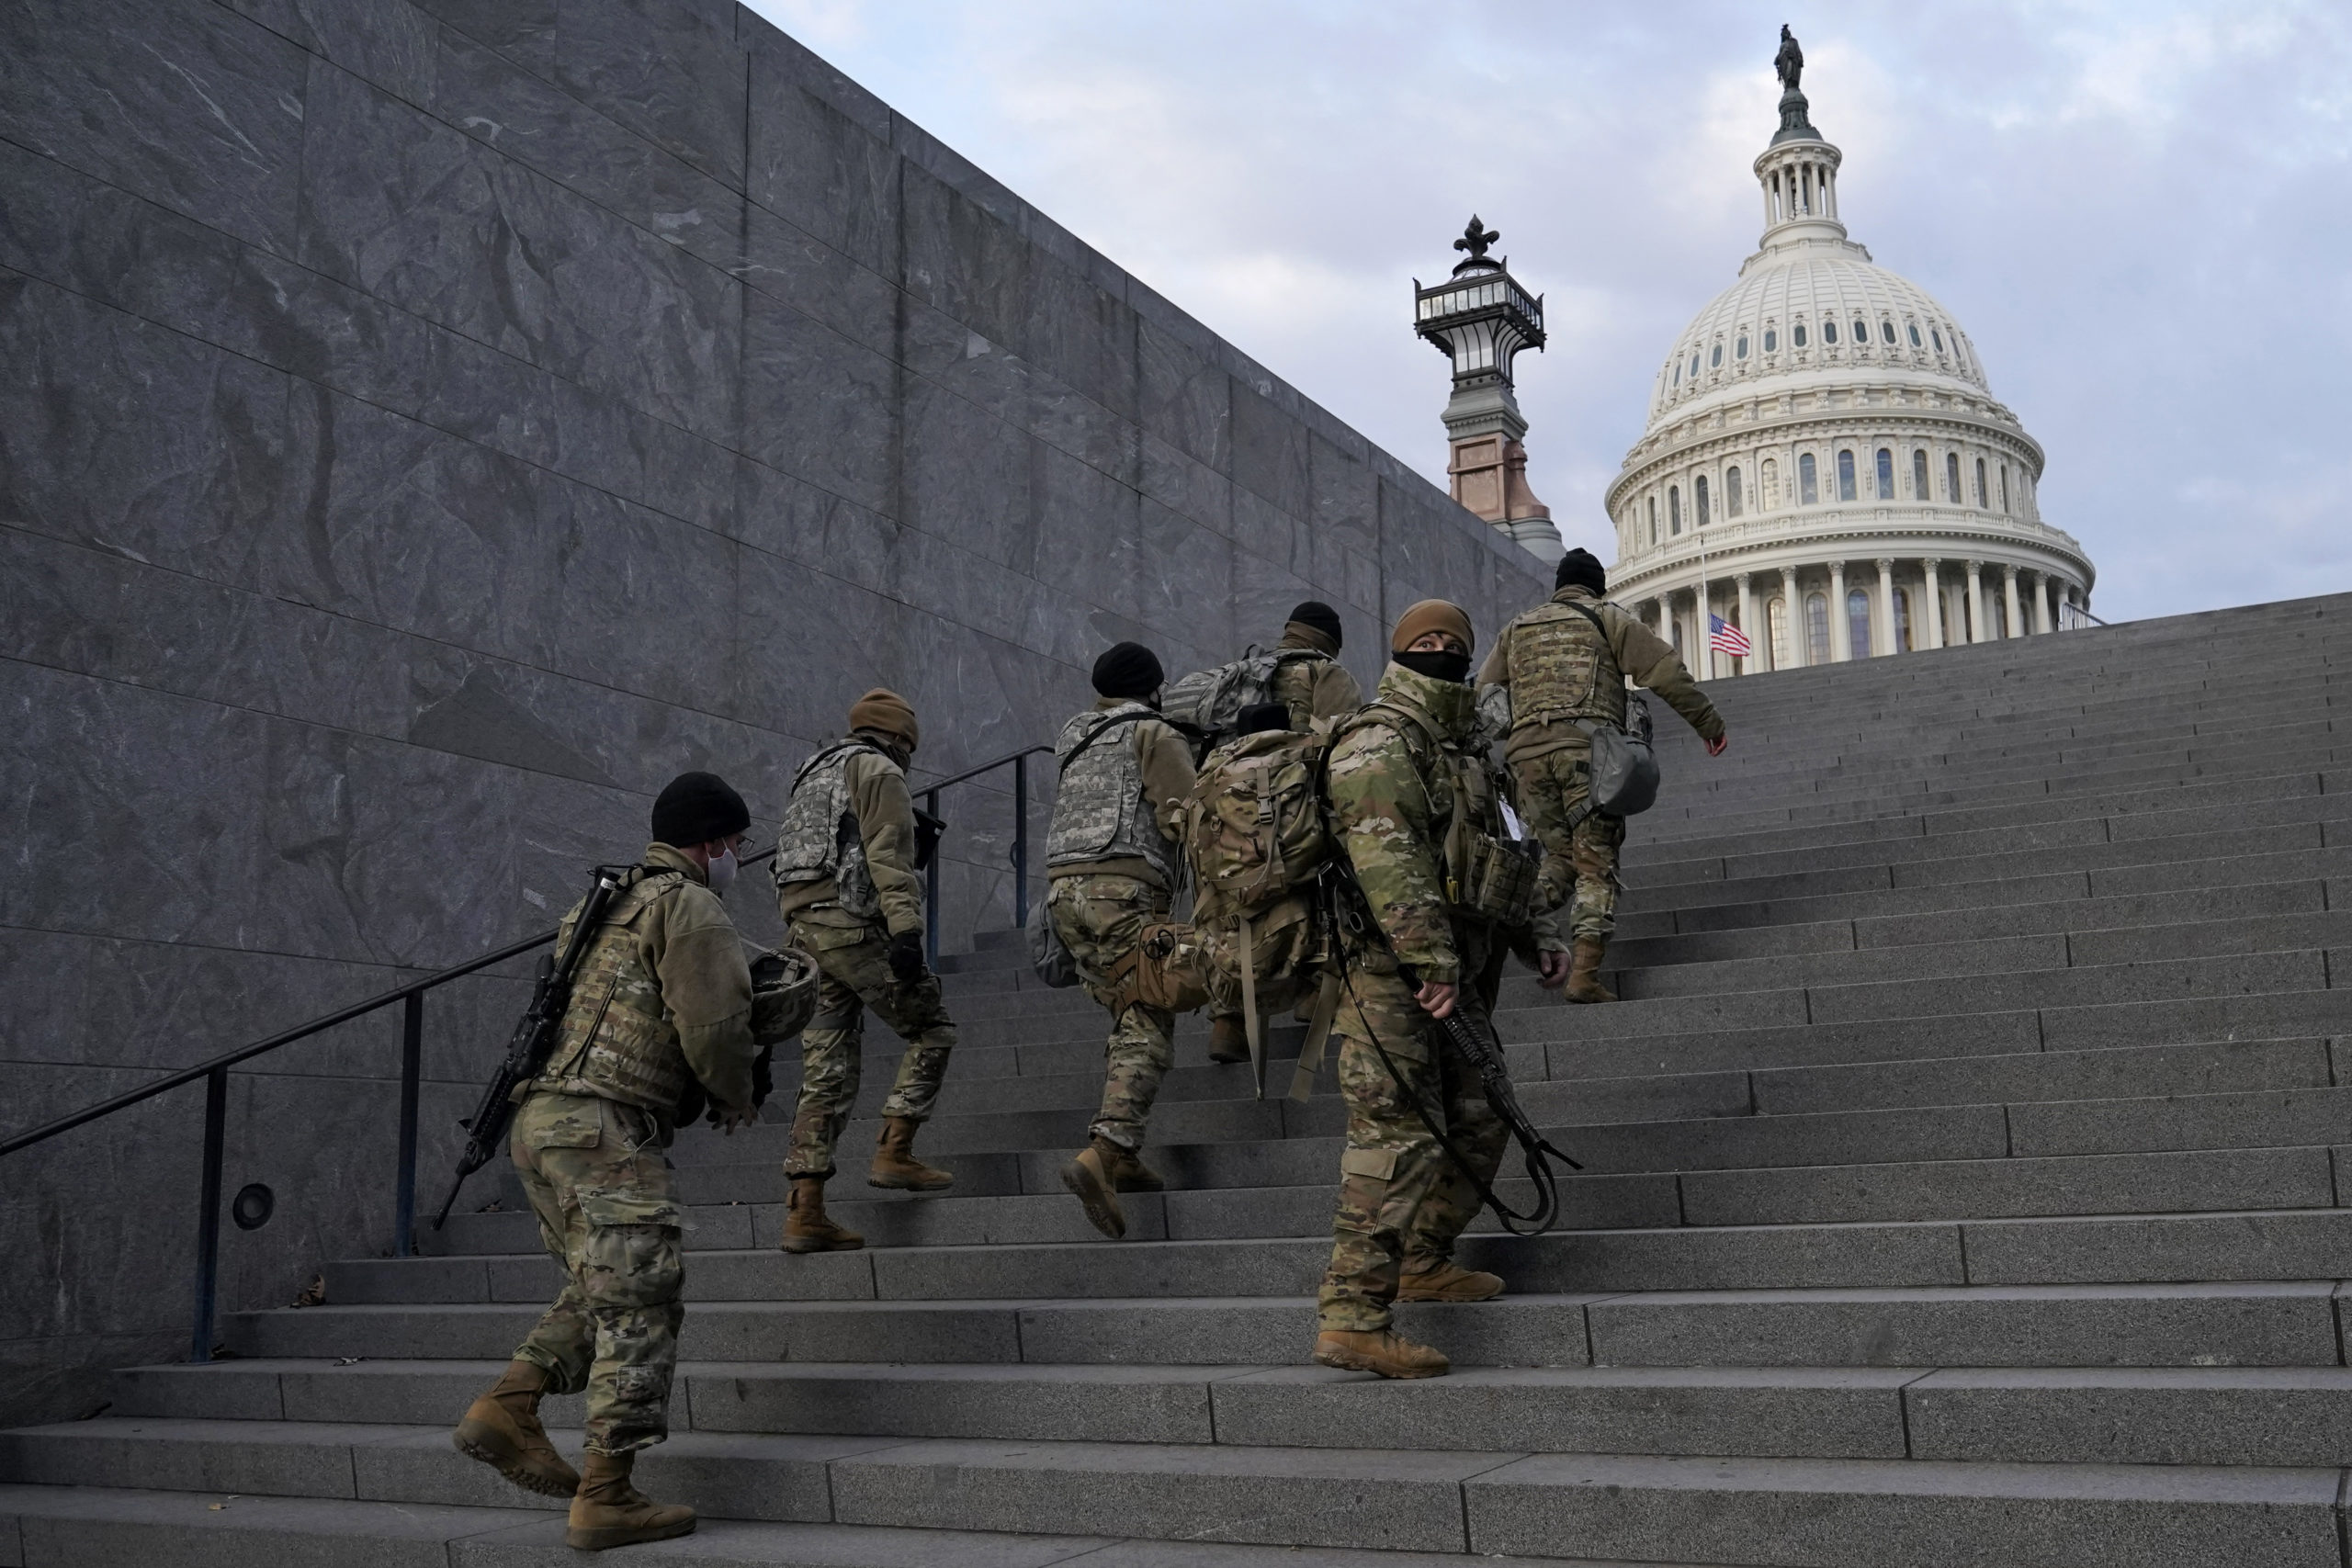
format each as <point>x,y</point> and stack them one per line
<point>215,1072</point>
<point>1019,762</point>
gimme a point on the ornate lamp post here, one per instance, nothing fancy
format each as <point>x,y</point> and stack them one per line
<point>1479,319</point>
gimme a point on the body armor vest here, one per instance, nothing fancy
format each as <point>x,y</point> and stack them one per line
<point>617,1042</point>
<point>820,837</point>
<point>1490,874</point>
<point>1101,813</point>
<point>1561,668</point>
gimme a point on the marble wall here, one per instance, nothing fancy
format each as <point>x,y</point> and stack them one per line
<point>425,428</point>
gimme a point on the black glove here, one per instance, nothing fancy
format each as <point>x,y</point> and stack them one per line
<point>906,957</point>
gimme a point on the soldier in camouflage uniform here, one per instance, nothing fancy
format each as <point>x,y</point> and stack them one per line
<point>1111,857</point>
<point>663,994</point>
<point>1311,683</point>
<point>1564,664</point>
<point>1401,774</point>
<point>846,884</point>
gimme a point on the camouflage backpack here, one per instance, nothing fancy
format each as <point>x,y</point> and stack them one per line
<point>1206,704</point>
<point>1260,841</point>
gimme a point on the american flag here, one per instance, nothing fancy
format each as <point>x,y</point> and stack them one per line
<point>1724,637</point>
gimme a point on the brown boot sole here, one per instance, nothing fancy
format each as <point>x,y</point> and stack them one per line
<point>1458,1293</point>
<point>1102,1205</point>
<point>1593,996</point>
<point>1349,1361</point>
<point>625,1535</point>
<point>931,1181</point>
<point>820,1244</point>
<point>477,1441</point>
<point>1228,1061</point>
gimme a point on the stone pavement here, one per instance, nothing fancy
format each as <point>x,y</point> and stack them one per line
<point>1964,1189</point>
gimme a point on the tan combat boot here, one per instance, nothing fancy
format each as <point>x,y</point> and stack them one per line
<point>1443,1280</point>
<point>1583,972</point>
<point>1381,1350</point>
<point>1228,1041</point>
<point>895,1165</point>
<point>608,1511</point>
<point>501,1429</point>
<point>806,1228</point>
<point>1090,1180</point>
<point>1129,1174</point>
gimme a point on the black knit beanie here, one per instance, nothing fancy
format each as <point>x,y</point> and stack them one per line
<point>1321,616</point>
<point>1128,669</point>
<point>694,808</point>
<point>1581,568</point>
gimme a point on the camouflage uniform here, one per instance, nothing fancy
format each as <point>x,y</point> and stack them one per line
<point>1111,862</point>
<point>1393,797</point>
<point>1561,671</point>
<point>1315,687</point>
<point>665,993</point>
<point>846,884</point>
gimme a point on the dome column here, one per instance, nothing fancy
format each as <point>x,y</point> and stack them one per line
<point>1975,601</point>
<point>1841,635</point>
<point>2016,619</point>
<point>1747,624</point>
<point>1792,618</point>
<point>1935,604</point>
<point>1887,604</point>
<point>2045,620</point>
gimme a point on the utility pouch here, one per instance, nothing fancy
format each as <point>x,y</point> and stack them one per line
<point>1165,968</point>
<point>1497,880</point>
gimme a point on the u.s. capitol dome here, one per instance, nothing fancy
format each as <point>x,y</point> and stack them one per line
<point>1822,435</point>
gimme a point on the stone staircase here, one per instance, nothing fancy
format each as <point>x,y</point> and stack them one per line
<point>1963,1192</point>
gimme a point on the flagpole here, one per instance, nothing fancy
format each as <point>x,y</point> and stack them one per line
<point>1706,612</point>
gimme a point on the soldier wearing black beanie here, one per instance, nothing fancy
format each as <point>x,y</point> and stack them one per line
<point>694,808</point>
<point>1581,568</point>
<point>1128,669</point>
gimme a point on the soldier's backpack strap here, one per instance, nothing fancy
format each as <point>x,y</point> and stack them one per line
<point>1091,736</point>
<point>824,754</point>
<point>1318,1034</point>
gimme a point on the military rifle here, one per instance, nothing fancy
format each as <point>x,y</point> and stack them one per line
<point>534,1038</point>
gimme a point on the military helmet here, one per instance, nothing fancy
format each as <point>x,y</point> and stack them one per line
<point>784,994</point>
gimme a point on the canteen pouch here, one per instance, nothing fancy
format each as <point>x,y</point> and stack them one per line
<point>1167,968</point>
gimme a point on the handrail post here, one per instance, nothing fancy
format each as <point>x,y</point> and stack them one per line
<point>1021,840</point>
<point>412,1071</point>
<point>208,1222</point>
<point>931,887</point>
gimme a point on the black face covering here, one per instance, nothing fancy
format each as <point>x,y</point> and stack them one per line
<point>1452,667</point>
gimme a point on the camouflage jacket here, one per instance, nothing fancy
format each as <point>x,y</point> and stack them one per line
<point>676,994</point>
<point>1314,688</point>
<point>1392,799</point>
<point>1634,651</point>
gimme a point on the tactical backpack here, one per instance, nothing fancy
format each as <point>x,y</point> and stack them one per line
<point>1207,704</point>
<point>1259,836</point>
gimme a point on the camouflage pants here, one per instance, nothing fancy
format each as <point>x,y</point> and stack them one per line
<point>1400,1196</point>
<point>1100,918</point>
<point>855,967</point>
<point>596,1180</point>
<point>1583,862</point>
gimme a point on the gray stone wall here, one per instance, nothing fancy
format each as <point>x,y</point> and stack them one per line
<point>426,428</point>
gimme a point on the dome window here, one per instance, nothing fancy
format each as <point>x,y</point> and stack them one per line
<point>1732,497</point>
<point>1816,629</point>
<point>1952,478</point>
<point>1674,508</point>
<point>1653,520</point>
<point>1858,622</point>
<point>1808,482</point>
<point>1886,474</point>
<point>1699,498</point>
<point>1886,331</point>
<point>1796,335</point>
<point>1829,331</point>
<point>1939,337</point>
<point>1739,349</point>
<point>1677,372</point>
<point>1715,358</point>
<point>1913,327</point>
<point>1772,341</point>
<point>1861,330</point>
<point>1983,501</point>
<point>1846,476</point>
<point>1919,468</point>
<point>1694,363</point>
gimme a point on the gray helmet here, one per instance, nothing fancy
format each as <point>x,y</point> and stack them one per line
<point>784,994</point>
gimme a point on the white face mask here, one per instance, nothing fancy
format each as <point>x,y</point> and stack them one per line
<point>722,871</point>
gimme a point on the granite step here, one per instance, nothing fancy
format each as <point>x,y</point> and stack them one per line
<point>1798,1513</point>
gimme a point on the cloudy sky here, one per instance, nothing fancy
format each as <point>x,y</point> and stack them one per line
<point>2140,210</point>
